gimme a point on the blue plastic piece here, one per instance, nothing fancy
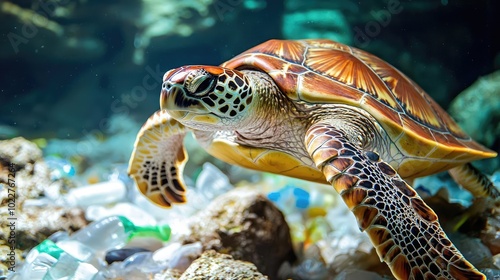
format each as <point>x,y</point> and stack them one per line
<point>291,195</point>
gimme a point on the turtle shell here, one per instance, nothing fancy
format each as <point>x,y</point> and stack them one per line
<point>324,71</point>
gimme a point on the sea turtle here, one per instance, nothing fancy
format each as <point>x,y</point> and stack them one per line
<point>325,112</point>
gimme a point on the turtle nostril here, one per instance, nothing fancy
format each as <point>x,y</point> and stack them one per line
<point>166,86</point>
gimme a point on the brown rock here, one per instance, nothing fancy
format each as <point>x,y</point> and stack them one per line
<point>215,266</point>
<point>246,225</point>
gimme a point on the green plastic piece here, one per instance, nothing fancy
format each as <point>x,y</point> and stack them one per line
<point>161,232</point>
<point>49,247</point>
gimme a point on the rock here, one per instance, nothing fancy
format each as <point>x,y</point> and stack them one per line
<point>35,224</point>
<point>473,250</point>
<point>246,225</point>
<point>19,151</point>
<point>490,235</point>
<point>31,177</point>
<point>119,255</point>
<point>169,274</point>
<point>479,104</point>
<point>212,265</point>
<point>477,111</point>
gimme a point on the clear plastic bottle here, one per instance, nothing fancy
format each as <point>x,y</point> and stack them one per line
<point>212,182</point>
<point>133,212</point>
<point>47,261</point>
<point>91,243</point>
<point>81,254</point>
<point>100,193</point>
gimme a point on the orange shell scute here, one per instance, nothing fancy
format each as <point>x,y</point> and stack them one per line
<point>324,71</point>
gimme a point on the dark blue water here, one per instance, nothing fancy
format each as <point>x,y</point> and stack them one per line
<point>67,66</point>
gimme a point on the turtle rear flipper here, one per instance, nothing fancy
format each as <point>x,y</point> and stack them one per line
<point>158,160</point>
<point>404,230</point>
<point>474,181</point>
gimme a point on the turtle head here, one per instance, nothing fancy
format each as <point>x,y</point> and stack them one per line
<point>204,95</point>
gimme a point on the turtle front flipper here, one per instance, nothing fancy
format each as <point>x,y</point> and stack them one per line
<point>404,230</point>
<point>158,160</point>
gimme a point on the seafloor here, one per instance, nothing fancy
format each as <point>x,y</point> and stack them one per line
<point>80,77</point>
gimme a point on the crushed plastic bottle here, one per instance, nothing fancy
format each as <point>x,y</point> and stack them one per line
<point>67,267</point>
<point>178,256</point>
<point>143,264</point>
<point>114,232</point>
<point>212,182</point>
<point>80,255</point>
<point>132,212</point>
<point>47,261</point>
<point>137,266</point>
<point>95,194</point>
<point>100,193</point>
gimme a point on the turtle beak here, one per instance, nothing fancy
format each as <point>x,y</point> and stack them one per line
<point>170,89</point>
<point>167,95</point>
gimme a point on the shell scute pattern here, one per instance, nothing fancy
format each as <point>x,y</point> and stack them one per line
<point>323,71</point>
<point>347,69</point>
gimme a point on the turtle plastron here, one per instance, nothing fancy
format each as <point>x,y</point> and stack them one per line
<point>404,230</point>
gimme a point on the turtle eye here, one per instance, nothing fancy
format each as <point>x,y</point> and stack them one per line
<point>200,83</point>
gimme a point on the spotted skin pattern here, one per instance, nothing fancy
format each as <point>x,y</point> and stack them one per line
<point>158,160</point>
<point>228,95</point>
<point>404,230</point>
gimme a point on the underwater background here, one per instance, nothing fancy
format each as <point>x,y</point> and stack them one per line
<point>67,65</point>
<point>78,78</point>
